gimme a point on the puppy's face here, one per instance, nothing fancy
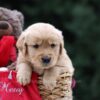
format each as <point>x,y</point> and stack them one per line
<point>43,46</point>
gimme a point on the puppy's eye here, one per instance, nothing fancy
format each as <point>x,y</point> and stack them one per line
<point>53,45</point>
<point>36,46</point>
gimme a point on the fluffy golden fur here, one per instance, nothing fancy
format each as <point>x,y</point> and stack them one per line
<point>38,41</point>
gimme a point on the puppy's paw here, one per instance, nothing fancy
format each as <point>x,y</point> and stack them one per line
<point>23,78</point>
<point>49,83</point>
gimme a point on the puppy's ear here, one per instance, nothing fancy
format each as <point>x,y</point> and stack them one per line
<point>21,45</point>
<point>61,42</point>
<point>61,47</point>
<point>63,59</point>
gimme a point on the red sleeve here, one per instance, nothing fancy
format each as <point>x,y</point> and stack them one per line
<point>13,54</point>
<point>6,47</point>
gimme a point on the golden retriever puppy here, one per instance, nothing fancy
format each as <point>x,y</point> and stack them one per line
<point>41,48</point>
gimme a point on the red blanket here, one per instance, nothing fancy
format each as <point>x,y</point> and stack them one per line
<point>7,51</point>
<point>10,89</point>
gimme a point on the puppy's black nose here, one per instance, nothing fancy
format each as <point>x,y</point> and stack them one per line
<point>46,60</point>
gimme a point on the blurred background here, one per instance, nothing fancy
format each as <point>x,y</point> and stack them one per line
<point>80,22</point>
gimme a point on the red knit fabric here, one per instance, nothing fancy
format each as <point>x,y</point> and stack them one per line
<point>10,89</point>
<point>6,45</point>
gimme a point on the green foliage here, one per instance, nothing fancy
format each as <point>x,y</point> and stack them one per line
<point>80,22</point>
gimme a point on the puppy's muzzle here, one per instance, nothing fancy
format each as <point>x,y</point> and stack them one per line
<point>4,25</point>
<point>46,60</point>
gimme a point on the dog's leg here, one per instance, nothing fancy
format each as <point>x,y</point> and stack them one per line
<point>24,72</point>
<point>50,77</point>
